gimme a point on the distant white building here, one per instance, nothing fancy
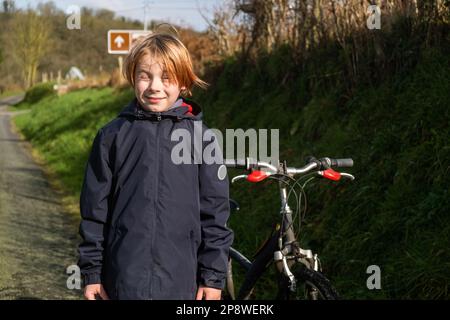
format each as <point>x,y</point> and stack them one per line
<point>74,74</point>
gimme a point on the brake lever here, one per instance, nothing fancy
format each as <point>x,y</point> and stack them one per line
<point>347,175</point>
<point>335,175</point>
<point>242,176</point>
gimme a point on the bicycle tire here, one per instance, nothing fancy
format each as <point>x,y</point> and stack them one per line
<point>303,276</point>
<point>312,279</point>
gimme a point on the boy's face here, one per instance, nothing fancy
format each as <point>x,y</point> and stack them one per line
<point>153,88</point>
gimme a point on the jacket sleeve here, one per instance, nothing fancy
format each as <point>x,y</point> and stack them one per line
<point>94,210</point>
<point>216,236</point>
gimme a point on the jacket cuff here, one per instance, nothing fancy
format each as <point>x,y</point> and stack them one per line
<point>212,279</point>
<point>92,278</point>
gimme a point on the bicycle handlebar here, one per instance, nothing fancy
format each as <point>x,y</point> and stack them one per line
<point>325,163</point>
<point>342,163</point>
<point>312,163</point>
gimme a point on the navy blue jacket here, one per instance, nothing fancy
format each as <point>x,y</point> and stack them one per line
<point>152,229</point>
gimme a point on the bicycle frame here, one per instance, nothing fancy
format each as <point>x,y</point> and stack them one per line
<point>278,249</point>
<point>282,246</point>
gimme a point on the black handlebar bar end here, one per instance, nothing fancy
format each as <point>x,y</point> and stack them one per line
<point>343,163</point>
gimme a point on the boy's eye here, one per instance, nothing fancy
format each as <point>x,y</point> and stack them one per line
<point>142,75</point>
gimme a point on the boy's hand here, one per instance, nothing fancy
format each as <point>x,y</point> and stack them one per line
<point>208,293</point>
<point>93,290</point>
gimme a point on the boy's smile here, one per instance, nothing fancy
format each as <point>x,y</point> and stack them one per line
<point>154,88</point>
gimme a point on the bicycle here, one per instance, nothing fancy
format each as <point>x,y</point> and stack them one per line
<point>299,271</point>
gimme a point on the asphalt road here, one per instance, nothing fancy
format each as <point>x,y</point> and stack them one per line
<point>38,238</point>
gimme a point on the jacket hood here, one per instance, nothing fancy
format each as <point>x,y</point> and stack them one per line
<point>182,109</point>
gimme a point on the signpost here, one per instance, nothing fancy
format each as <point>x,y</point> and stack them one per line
<point>121,41</point>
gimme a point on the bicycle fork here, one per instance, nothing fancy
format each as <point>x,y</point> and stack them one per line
<point>280,257</point>
<point>287,251</point>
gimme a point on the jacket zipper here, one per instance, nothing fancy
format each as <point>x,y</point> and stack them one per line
<point>155,204</point>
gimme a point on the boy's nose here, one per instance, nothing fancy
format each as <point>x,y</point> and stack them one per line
<point>155,85</point>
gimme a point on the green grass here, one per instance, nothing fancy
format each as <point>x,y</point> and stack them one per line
<point>34,95</point>
<point>394,215</point>
<point>62,129</point>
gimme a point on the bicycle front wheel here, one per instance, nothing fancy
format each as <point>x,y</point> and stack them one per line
<point>310,285</point>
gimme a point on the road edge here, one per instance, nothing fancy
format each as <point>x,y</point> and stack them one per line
<point>69,202</point>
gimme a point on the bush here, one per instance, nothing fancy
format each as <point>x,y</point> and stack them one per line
<point>38,92</point>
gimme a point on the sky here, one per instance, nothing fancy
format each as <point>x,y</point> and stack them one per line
<point>181,12</point>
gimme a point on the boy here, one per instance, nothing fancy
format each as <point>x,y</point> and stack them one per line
<point>153,229</point>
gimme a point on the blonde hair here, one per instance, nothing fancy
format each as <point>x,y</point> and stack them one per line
<point>171,53</point>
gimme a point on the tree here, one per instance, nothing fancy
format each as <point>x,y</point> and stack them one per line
<point>28,42</point>
<point>8,6</point>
